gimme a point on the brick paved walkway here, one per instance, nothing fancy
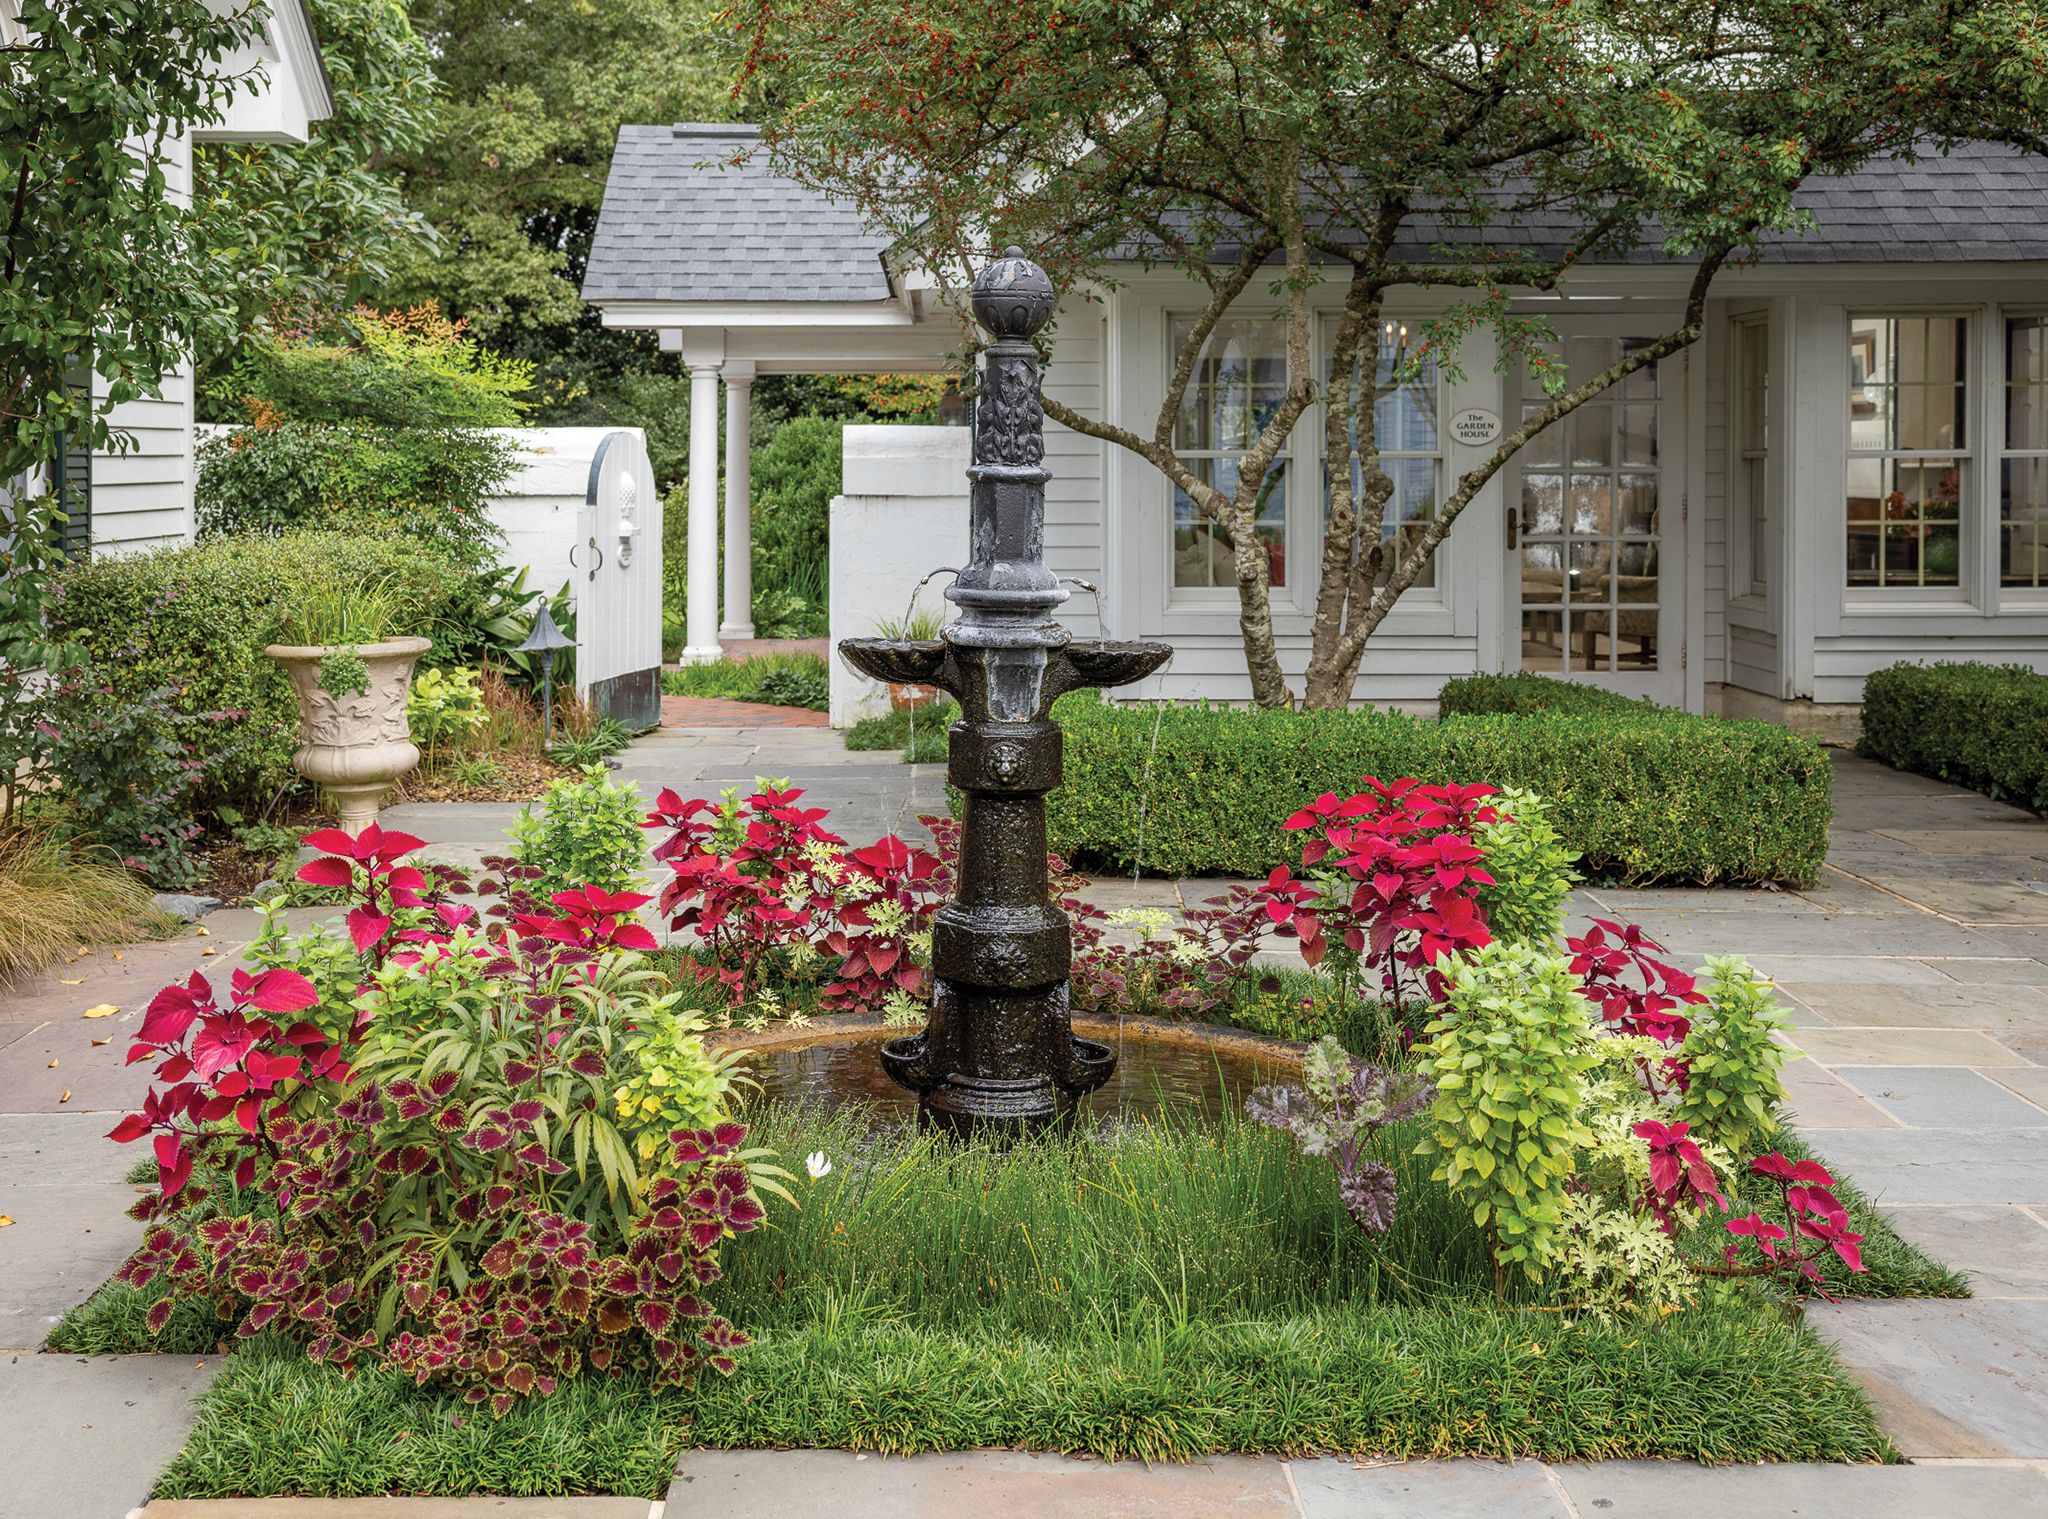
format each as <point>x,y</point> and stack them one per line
<point>715,712</point>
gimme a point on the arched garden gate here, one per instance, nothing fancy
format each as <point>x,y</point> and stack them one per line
<point>615,579</point>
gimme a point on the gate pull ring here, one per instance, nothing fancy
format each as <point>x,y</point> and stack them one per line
<point>594,568</point>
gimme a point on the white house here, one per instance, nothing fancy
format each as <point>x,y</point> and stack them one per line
<point>1849,469</point>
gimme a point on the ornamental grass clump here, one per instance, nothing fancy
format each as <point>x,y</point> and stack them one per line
<point>414,1132</point>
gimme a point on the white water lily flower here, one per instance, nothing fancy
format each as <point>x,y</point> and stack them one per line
<point>817,1165</point>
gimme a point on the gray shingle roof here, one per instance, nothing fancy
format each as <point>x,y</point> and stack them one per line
<point>670,231</point>
<point>1983,201</point>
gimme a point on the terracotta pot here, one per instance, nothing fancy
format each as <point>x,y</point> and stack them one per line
<point>902,698</point>
<point>354,747</point>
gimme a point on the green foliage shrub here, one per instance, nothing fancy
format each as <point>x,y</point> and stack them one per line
<point>1532,871</point>
<point>1643,796</point>
<point>794,480</point>
<point>587,834</point>
<point>1975,725</point>
<point>196,620</point>
<point>1733,1091</point>
<point>1508,1052</point>
<point>429,484</point>
<point>1521,693</point>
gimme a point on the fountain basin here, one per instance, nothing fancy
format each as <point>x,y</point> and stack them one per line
<point>1190,1069</point>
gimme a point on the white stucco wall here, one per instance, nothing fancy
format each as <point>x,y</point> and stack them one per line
<point>903,514</point>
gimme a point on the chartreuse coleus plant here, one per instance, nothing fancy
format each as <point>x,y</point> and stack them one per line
<point>1732,1061</point>
<point>1508,1052</point>
<point>440,1185</point>
<point>1531,869</point>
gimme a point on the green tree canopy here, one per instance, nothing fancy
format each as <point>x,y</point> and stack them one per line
<point>102,264</point>
<point>1482,147</point>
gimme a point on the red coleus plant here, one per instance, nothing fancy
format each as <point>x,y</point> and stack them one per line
<point>749,898</point>
<point>1811,1213</point>
<point>1681,1179</point>
<point>1651,1007</point>
<point>383,1187</point>
<point>1398,885</point>
<point>902,888</point>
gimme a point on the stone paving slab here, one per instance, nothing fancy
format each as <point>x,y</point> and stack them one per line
<point>1995,972</point>
<point>1816,1099</point>
<point>1987,902</point>
<point>86,1436</point>
<point>1681,1490</point>
<point>833,1484</point>
<point>480,1507</point>
<point>1952,1167</point>
<point>1942,1097</point>
<point>63,1184</point>
<point>1905,933</point>
<point>1851,1005</point>
<point>2031,842</point>
<point>1968,1047</point>
<point>2030,1083</point>
<point>1982,1363</point>
<point>1334,1488</point>
<point>2004,1249</point>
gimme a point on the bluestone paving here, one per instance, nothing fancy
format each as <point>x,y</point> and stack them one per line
<point>1680,1490</point>
<point>1341,1489</point>
<point>1949,1166</point>
<point>1993,1007</point>
<point>1981,1363</point>
<point>1942,1097</point>
<point>2004,1249</point>
<point>1911,1046</point>
<point>86,1436</point>
<point>1995,972</point>
<point>2030,1082</point>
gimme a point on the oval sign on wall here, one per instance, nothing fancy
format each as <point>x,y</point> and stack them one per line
<point>1475,427</point>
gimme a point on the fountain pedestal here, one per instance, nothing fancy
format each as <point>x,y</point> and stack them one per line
<point>999,1052</point>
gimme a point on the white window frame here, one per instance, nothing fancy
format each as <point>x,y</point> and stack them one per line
<point>1749,490</point>
<point>1868,601</point>
<point>2030,600</point>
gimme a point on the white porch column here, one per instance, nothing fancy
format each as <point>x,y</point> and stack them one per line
<point>739,506</point>
<point>700,615</point>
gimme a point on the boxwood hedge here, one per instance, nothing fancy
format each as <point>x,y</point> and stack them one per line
<point>1646,794</point>
<point>1981,726</point>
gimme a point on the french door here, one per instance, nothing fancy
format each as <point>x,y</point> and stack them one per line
<point>1597,534</point>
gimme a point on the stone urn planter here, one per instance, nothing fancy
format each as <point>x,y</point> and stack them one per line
<point>354,747</point>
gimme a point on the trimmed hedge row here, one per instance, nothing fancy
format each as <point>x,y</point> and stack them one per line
<point>200,616</point>
<point>1521,693</point>
<point>1649,795</point>
<point>1981,726</point>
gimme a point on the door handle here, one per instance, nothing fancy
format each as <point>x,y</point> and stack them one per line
<point>1514,524</point>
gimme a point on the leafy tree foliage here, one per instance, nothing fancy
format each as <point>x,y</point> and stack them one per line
<point>100,259</point>
<point>1481,147</point>
<point>320,217</point>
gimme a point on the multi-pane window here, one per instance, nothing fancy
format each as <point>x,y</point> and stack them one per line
<point>1752,454</point>
<point>1908,395</point>
<point>2023,471</point>
<point>1405,429</point>
<point>1591,520</point>
<point>1238,383</point>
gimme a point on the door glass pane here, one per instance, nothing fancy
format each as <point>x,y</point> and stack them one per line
<point>1591,528</point>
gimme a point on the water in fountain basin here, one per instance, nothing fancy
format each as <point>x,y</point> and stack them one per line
<point>1150,1077</point>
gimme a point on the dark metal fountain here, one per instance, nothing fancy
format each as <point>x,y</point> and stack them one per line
<point>1000,1051</point>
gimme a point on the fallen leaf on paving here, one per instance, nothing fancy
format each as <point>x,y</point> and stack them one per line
<point>66,1098</point>
<point>207,951</point>
<point>108,1040</point>
<point>5,1220</point>
<point>204,933</point>
<point>119,956</point>
<point>53,1065</point>
<point>103,1010</point>
<point>79,982</point>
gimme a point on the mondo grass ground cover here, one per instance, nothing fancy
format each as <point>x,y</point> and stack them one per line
<point>1150,1291</point>
<point>1642,794</point>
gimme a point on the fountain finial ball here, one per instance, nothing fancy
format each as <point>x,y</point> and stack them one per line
<point>1013,297</point>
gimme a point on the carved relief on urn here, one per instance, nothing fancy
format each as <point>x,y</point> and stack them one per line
<point>353,746</point>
